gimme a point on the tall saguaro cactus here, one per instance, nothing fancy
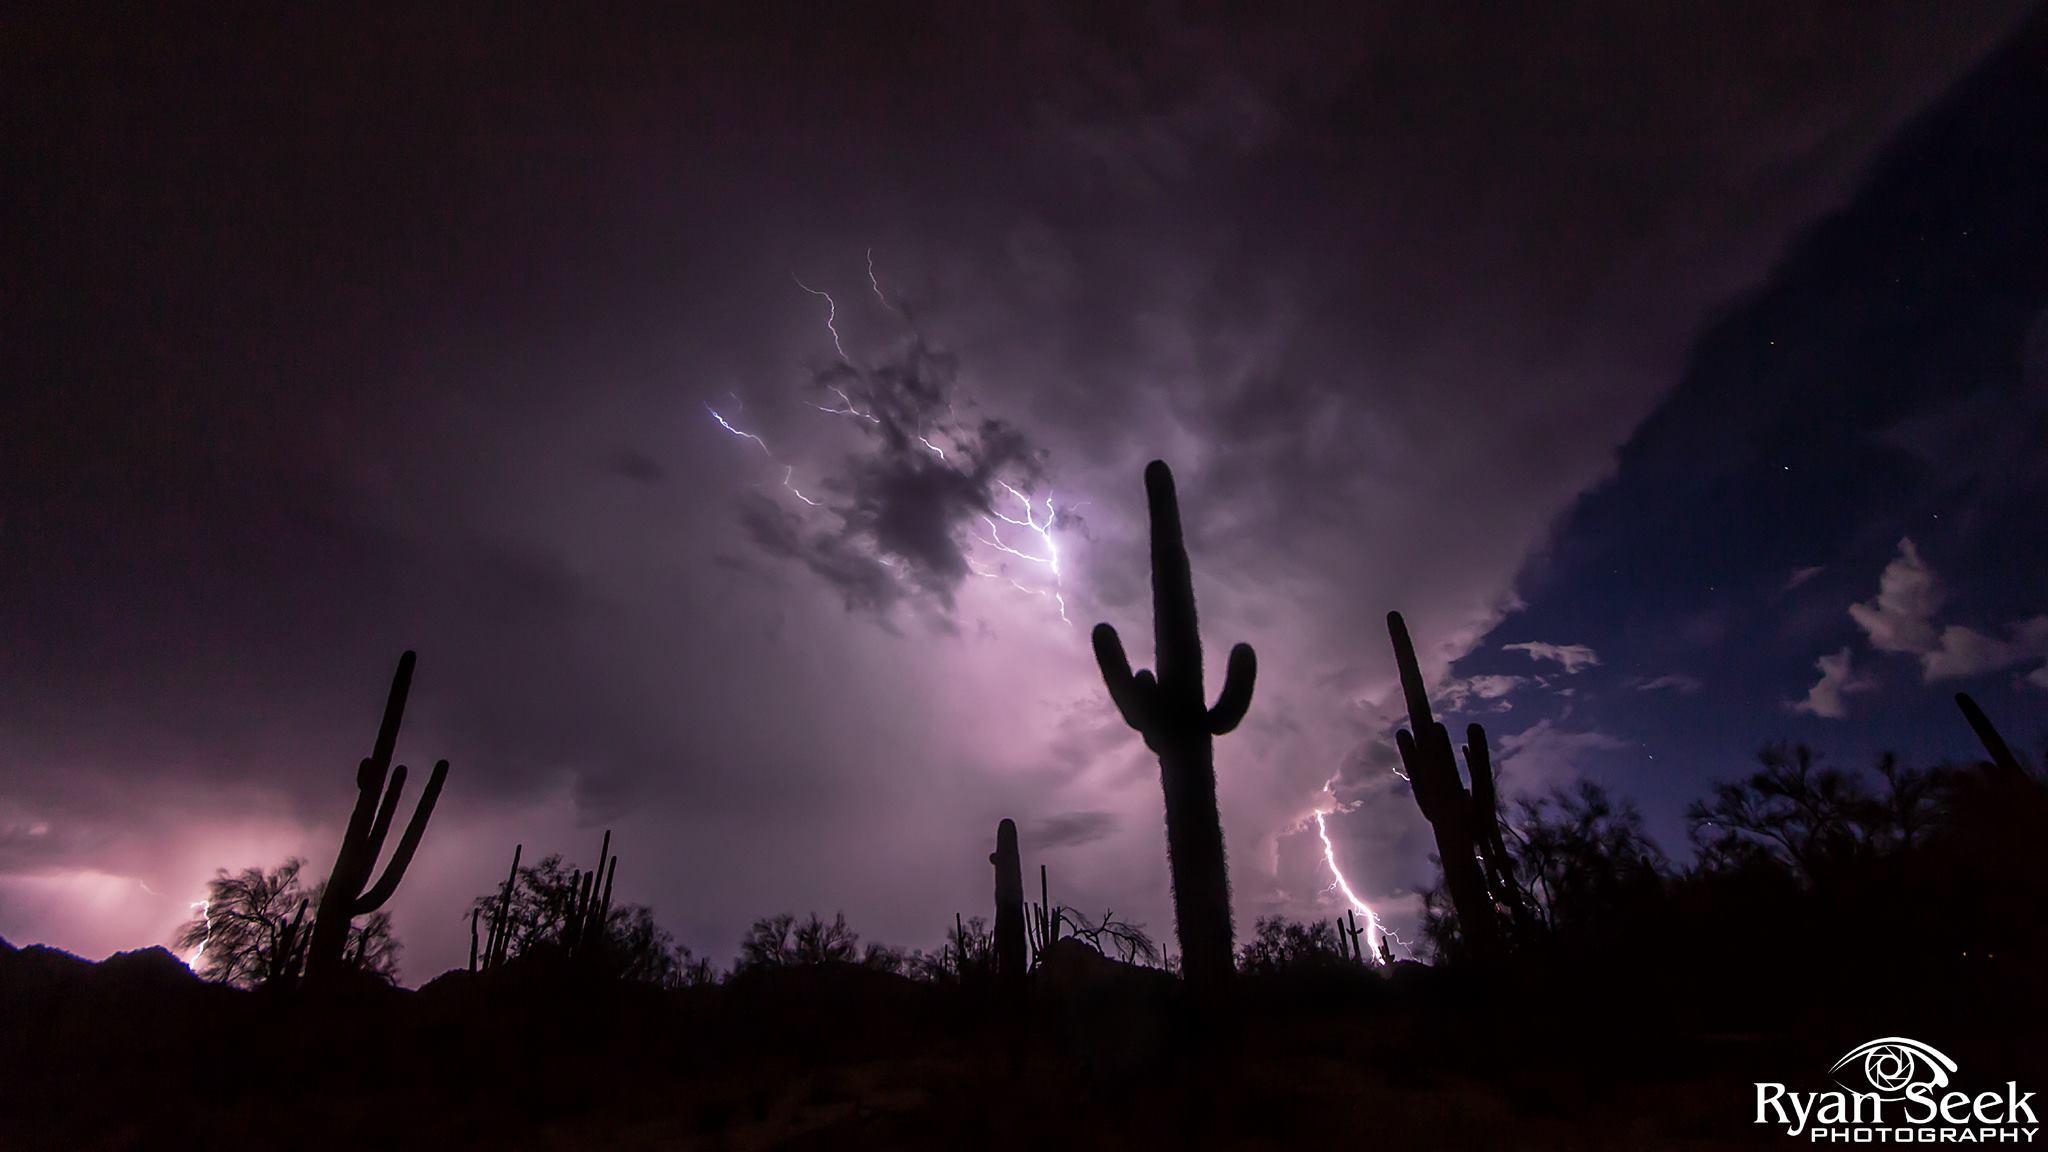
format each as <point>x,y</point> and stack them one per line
<point>345,897</point>
<point>1009,862</point>
<point>1461,828</point>
<point>1171,711</point>
<point>2003,762</point>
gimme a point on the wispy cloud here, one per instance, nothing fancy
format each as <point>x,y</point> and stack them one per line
<point>1837,679</point>
<point>1574,657</point>
<point>1901,618</point>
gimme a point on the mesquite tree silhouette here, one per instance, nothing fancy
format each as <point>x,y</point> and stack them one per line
<point>1171,711</point>
<point>251,930</point>
<point>345,898</point>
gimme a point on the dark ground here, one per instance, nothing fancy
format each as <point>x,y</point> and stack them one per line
<point>136,1052</point>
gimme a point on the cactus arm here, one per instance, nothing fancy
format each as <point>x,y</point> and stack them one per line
<point>1479,765</point>
<point>1413,689</point>
<point>1238,676</point>
<point>2001,753</point>
<point>1135,697</point>
<point>373,847</point>
<point>407,845</point>
<point>394,709</point>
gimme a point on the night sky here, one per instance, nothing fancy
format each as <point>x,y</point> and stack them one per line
<point>1680,372</point>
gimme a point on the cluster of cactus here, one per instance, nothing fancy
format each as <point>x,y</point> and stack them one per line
<point>347,896</point>
<point>288,956</point>
<point>500,940</point>
<point>585,934</point>
<point>1044,921</point>
<point>1477,870</point>
<point>1350,936</point>
<point>972,951</point>
<point>1171,711</point>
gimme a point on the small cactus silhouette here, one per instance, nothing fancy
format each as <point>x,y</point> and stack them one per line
<point>500,942</point>
<point>1171,711</point>
<point>1349,934</point>
<point>1044,920</point>
<point>289,956</point>
<point>345,897</point>
<point>1009,865</point>
<point>1460,825</point>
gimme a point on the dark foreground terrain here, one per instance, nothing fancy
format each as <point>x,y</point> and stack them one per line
<point>136,1052</point>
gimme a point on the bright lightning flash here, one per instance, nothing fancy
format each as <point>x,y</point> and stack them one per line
<point>831,315</point>
<point>1051,559</point>
<point>725,424</point>
<point>1043,529</point>
<point>206,917</point>
<point>1341,884</point>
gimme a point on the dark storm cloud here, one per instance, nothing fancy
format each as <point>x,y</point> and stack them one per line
<point>637,466</point>
<point>860,578</point>
<point>894,518</point>
<point>313,332</point>
<point>1070,829</point>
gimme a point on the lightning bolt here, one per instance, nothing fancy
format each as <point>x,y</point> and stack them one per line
<point>1051,559</point>
<point>786,474</point>
<point>831,315</point>
<point>788,471</point>
<point>850,410</point>
<point>1344,886</point>
<point>1047,556</point>
<point>877,284</point>
<point>727,425</point>
<point>206,916</point>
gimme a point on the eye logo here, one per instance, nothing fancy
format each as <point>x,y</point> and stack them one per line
<point>1894,1064</point>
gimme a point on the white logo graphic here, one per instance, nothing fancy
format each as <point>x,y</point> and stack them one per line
<point>1892,1066</point>
<point>1893,1091</point>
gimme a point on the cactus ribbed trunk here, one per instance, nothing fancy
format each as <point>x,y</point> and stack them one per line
<point>345,898</point>
<point>1009,865</point>
<point>1433,775</point>
<point>1171,711</point>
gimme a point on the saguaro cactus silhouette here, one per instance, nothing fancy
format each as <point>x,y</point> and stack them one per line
<point>1171,711</point>
<point>585,934</point>
<point>2003,762</point>
<point>1459,824</point>
<point>1009,863</point>
<point>1349,934</point>
<point>500,941</point>
<point>345,897</point>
